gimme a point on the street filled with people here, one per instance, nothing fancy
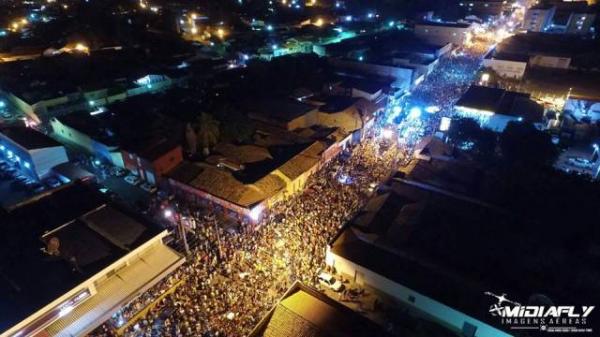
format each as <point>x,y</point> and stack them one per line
<point>232,278</point>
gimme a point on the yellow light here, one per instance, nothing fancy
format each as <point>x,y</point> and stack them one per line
<point>220,32</point>
<point>15,25</point>
<point>194,16</point>
<point>24,21</point>
<point>485,77</point>
<point>194,30</point>
<point>82,48</point>
<point>319,22</point>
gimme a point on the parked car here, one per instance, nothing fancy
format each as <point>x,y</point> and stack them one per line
<point>148,187</point>
<point>118,171</point>
<point>133,180</point>
<point>52,182</point>
<point>329,281</point>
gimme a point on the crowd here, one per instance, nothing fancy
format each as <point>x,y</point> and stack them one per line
<point>232,279</point>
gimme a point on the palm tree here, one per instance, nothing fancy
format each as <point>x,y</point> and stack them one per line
<point>207,132</point>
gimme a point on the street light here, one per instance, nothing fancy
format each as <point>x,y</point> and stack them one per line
<point>169,215</point>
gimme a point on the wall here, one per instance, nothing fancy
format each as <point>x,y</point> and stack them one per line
<point>446,315</point>
<point>550,61</point>
<point>505,68</point>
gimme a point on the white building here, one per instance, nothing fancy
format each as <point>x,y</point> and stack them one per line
<point>507,65</point>
<point>78,267</point>
<point>32,152</point>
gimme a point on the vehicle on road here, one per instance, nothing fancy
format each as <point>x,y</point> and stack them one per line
<point>133,180</point>
<point>148,187</point>
<point>329,281</point>
<point>118,171</point>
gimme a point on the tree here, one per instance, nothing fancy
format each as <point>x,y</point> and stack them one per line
<point>191,139</point>
<point>207,132</point>
<point>463,130</point>
<point>523,143</point>
<point>467,134</point>
<point>235,126</point>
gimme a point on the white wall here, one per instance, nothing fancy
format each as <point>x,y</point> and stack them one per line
<point>504,68</point>
<point>443,313</point>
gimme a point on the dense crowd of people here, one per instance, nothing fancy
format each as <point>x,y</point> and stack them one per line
<point>232,279</point>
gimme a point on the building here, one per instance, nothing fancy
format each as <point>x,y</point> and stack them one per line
<point>443,32</point>
<point>70,259</point>
<point>507,65</point>
<point>580,23</point>
<point>485,8</point>
<point>494,108</point>
<point>304,311</point>
<point>245,181</point>
<point>32,152</point>
<point>404,76</point>
<point>538,18</point>
<point>149,152</point>
<point>374,250</point>
<point>348,114</point>
<point>51,86</point>
<point>573,17</point>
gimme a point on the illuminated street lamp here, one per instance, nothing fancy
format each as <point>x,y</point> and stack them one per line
<point>485,77</point>
<point>171,216</point>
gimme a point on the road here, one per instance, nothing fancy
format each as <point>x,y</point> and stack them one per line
<point>233,279</point>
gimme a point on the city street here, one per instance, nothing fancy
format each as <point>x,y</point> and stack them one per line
<point>232,279</point>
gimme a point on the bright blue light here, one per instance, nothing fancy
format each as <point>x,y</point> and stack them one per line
<point>3,32</point>
<point>274,47</point>
<point>414,113</point>
<point>370,15</point>
<point>397,109</point>
<point>246,57</point>
<point>2,104</point>
<point>269,28</point>
<point>349,18</point>
<point>96,162</point>
<point>360,58</point>
<point>92,103</point>
<point>26,164</point>
<point>391,24</point>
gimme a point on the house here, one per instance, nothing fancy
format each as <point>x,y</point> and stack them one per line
<point>443,32</point>
<point>149,152</point>
<point>51,86</point>
<point>304,311</point>
<point>73,260</point>
<point>433,148</point>
<point>374,250</point>
<point>507,65</point>
<point>245,181</point>
<point>494,108</point>
<point>31,151</point>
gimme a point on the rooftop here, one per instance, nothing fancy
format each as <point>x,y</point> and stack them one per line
<point>546,44</point>
<point>444,24</point>
<point>500,101</point>
<point>29,138</point>
<point>51,77</point>
<point>155,134</point>
<point>92,234</point>
<point>279,109</point>
<point>306,312</point>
